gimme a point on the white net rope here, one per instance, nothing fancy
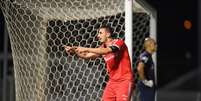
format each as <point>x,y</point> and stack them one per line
<point>39,28</point>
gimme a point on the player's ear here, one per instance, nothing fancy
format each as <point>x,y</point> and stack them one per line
<point>108,34</point>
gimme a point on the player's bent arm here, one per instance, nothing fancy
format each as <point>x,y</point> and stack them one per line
<point>146,82</point>
<point>86,55</point>
<point>140,69</point>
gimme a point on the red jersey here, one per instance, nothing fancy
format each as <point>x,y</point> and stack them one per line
<point>118,63</point>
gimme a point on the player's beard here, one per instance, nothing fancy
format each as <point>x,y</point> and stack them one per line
<point>103,40</point>
<point>154,50</point>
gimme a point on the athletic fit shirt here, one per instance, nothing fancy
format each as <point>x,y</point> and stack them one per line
<point>146,58</point>
<point>118,62</point>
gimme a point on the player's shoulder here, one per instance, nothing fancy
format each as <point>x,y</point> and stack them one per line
<point>118,40</point>
<point>144,57</point>
<point>143,54</point>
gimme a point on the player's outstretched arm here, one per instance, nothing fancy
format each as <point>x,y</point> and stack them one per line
<point>81,54</point>
<point>87,55</point>
<point>100,51</point>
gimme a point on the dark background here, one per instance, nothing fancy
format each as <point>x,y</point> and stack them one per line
<point>178,47</point>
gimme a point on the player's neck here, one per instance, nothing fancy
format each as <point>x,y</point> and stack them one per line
<point>108,41</point>
<point>149,51</point>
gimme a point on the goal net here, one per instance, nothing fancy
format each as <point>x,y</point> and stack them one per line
<point>39,28</point>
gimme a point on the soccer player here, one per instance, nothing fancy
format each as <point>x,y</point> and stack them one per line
<point>118,64</point>
<point>145,68</point>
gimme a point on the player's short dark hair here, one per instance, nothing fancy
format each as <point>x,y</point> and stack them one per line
<point>107,28</point>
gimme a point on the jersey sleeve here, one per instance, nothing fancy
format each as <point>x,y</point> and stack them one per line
<point>144,59</point>
<point>118,43</point>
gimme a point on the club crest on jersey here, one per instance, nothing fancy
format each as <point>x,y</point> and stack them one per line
<point>109,56</point>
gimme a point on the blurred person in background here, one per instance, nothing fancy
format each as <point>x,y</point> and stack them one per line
<point>145,69</point>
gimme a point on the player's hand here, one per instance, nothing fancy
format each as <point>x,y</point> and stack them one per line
<point>81,50</point>
<point>69,49</point>
<point>148,83</point>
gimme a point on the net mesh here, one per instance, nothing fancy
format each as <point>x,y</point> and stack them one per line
<point>39,28</point>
